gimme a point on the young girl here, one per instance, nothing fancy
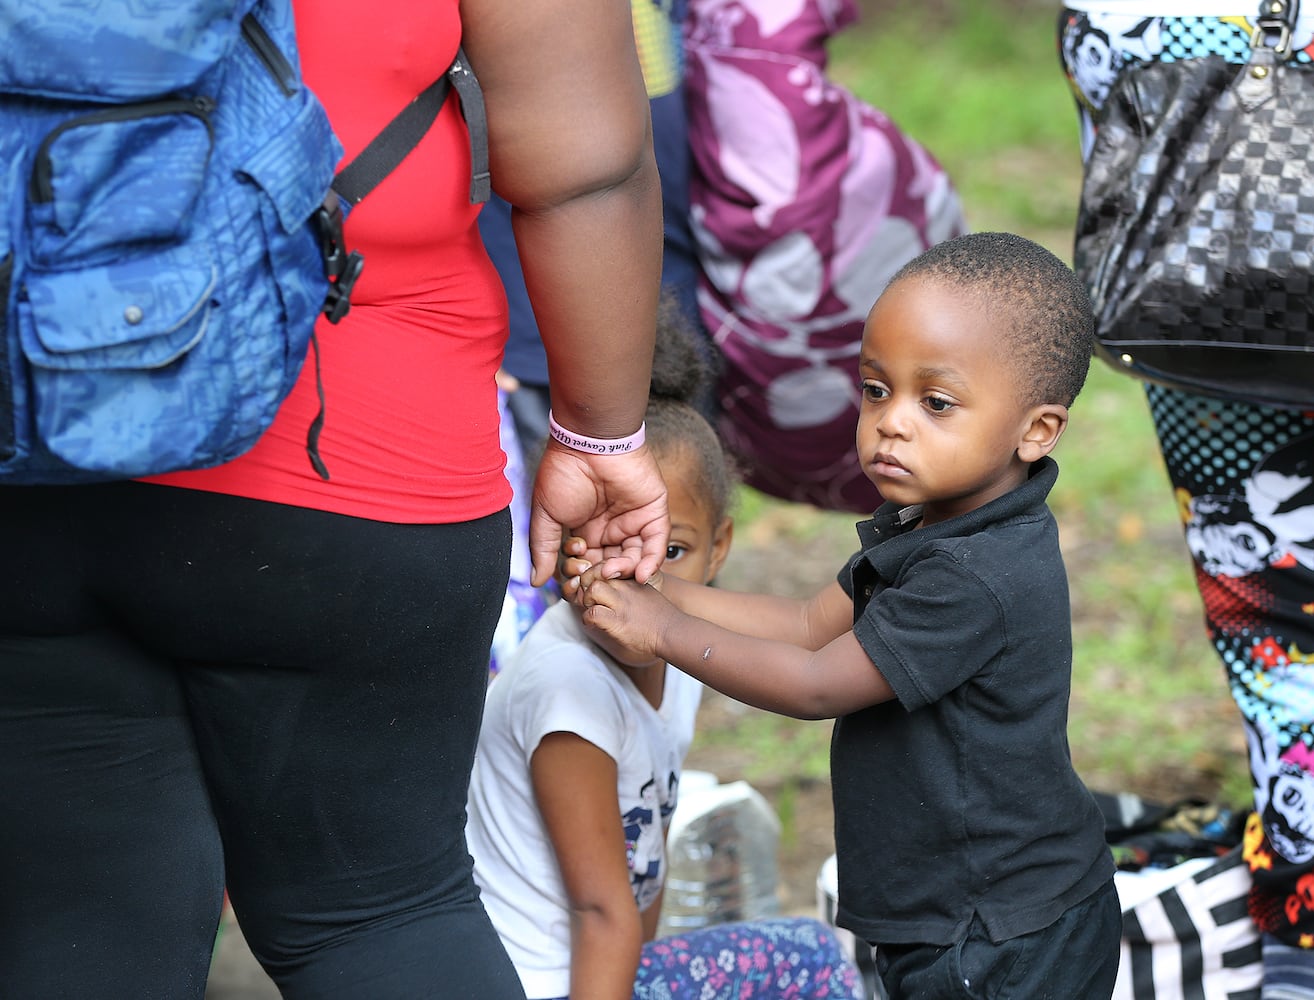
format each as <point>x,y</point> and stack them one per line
<point>578,770</point>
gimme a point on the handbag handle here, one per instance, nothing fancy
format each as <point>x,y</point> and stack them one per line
<point>1277,19</point>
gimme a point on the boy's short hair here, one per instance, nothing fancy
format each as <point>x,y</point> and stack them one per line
<point>1045,313</point>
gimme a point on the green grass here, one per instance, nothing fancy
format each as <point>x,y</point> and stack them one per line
<point>980,87</point>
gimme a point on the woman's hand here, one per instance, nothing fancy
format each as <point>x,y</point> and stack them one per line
<point>615,503</point>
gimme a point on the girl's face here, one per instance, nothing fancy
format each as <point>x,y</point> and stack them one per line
<point>942,423</point>
<point>697,547</point>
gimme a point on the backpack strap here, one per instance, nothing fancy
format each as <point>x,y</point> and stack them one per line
<point>387,149</point>
<point>382,155</point>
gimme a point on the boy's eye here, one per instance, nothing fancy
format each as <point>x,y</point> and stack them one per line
<point>938,405</point>
<point>674,553</point>
<point>874,391</point>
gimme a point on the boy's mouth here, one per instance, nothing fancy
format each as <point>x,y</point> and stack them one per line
<point>888,465</point>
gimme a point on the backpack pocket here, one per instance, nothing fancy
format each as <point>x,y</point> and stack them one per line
<point>292,175</point>
<point>93,336</point>
<point>117,180</point>
<point>114,294</point>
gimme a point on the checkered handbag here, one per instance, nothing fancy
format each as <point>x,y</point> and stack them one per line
<point>1195,234</point>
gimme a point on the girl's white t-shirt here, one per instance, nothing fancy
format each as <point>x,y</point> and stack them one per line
<point>558,681</point>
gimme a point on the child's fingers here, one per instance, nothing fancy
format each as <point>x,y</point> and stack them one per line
<point>600,617</point>
<point>570,589</point>
<point>569,571</point>
<point>598,592</point>
<point>572,566</point>
<point>590,576</point>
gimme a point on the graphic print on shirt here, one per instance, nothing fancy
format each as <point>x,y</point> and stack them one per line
<point>645,838</point>
<point>1286,802</point>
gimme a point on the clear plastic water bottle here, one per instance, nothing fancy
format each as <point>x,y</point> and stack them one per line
<point>721,854</point>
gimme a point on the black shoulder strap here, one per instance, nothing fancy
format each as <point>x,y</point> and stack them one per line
<point>387,149</point>
<point>363,174</point>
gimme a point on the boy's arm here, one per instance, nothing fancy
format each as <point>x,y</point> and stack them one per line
<point>575,786</point>
<point>781,676</point>
<point>810,622</point>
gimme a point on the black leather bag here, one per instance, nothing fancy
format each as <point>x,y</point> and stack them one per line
<point>1195,234</point>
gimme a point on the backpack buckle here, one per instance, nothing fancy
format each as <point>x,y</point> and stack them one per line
<point>341,267</point>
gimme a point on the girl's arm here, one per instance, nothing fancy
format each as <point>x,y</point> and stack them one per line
<point>772,673</point>
<point>575,786</point>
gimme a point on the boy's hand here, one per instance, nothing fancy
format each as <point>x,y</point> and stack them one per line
<point>633,614</point>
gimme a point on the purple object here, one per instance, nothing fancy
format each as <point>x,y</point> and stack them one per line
<point>805,201</point>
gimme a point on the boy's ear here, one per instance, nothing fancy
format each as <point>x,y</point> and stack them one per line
<point>1045,425</point>
<point>725,532</point>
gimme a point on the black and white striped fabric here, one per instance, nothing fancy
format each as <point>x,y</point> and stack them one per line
<point>1192,940</point>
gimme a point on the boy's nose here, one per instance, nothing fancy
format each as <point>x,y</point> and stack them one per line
<point>894,419</point>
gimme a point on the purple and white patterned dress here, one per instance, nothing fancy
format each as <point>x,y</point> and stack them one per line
<point>805,200</point>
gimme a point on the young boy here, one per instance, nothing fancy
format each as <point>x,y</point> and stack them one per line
<point>970,853</point>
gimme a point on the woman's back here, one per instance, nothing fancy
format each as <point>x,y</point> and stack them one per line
<point>411,423</point>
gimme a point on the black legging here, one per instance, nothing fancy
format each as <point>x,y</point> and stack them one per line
<point>198,691</point>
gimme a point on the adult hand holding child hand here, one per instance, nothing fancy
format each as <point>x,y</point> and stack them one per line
<point>576,559</point>
<point>615,503</point>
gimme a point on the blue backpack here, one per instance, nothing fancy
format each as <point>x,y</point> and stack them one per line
<point>169,229</point>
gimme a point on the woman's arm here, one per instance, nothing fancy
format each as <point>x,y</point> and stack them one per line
<point>570,149</point>
<point>575,785</point>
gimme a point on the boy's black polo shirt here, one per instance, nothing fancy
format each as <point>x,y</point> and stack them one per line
<point>959,797</point>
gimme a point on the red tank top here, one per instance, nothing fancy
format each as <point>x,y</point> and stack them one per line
<point>411,421</point>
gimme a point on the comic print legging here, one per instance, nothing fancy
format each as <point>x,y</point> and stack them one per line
<point>1243,475</point>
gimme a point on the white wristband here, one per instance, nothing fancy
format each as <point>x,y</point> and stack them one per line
<point>594,446</point>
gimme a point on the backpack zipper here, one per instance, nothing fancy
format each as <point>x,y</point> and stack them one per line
<point>268,53</point>
<point>43,189</point>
